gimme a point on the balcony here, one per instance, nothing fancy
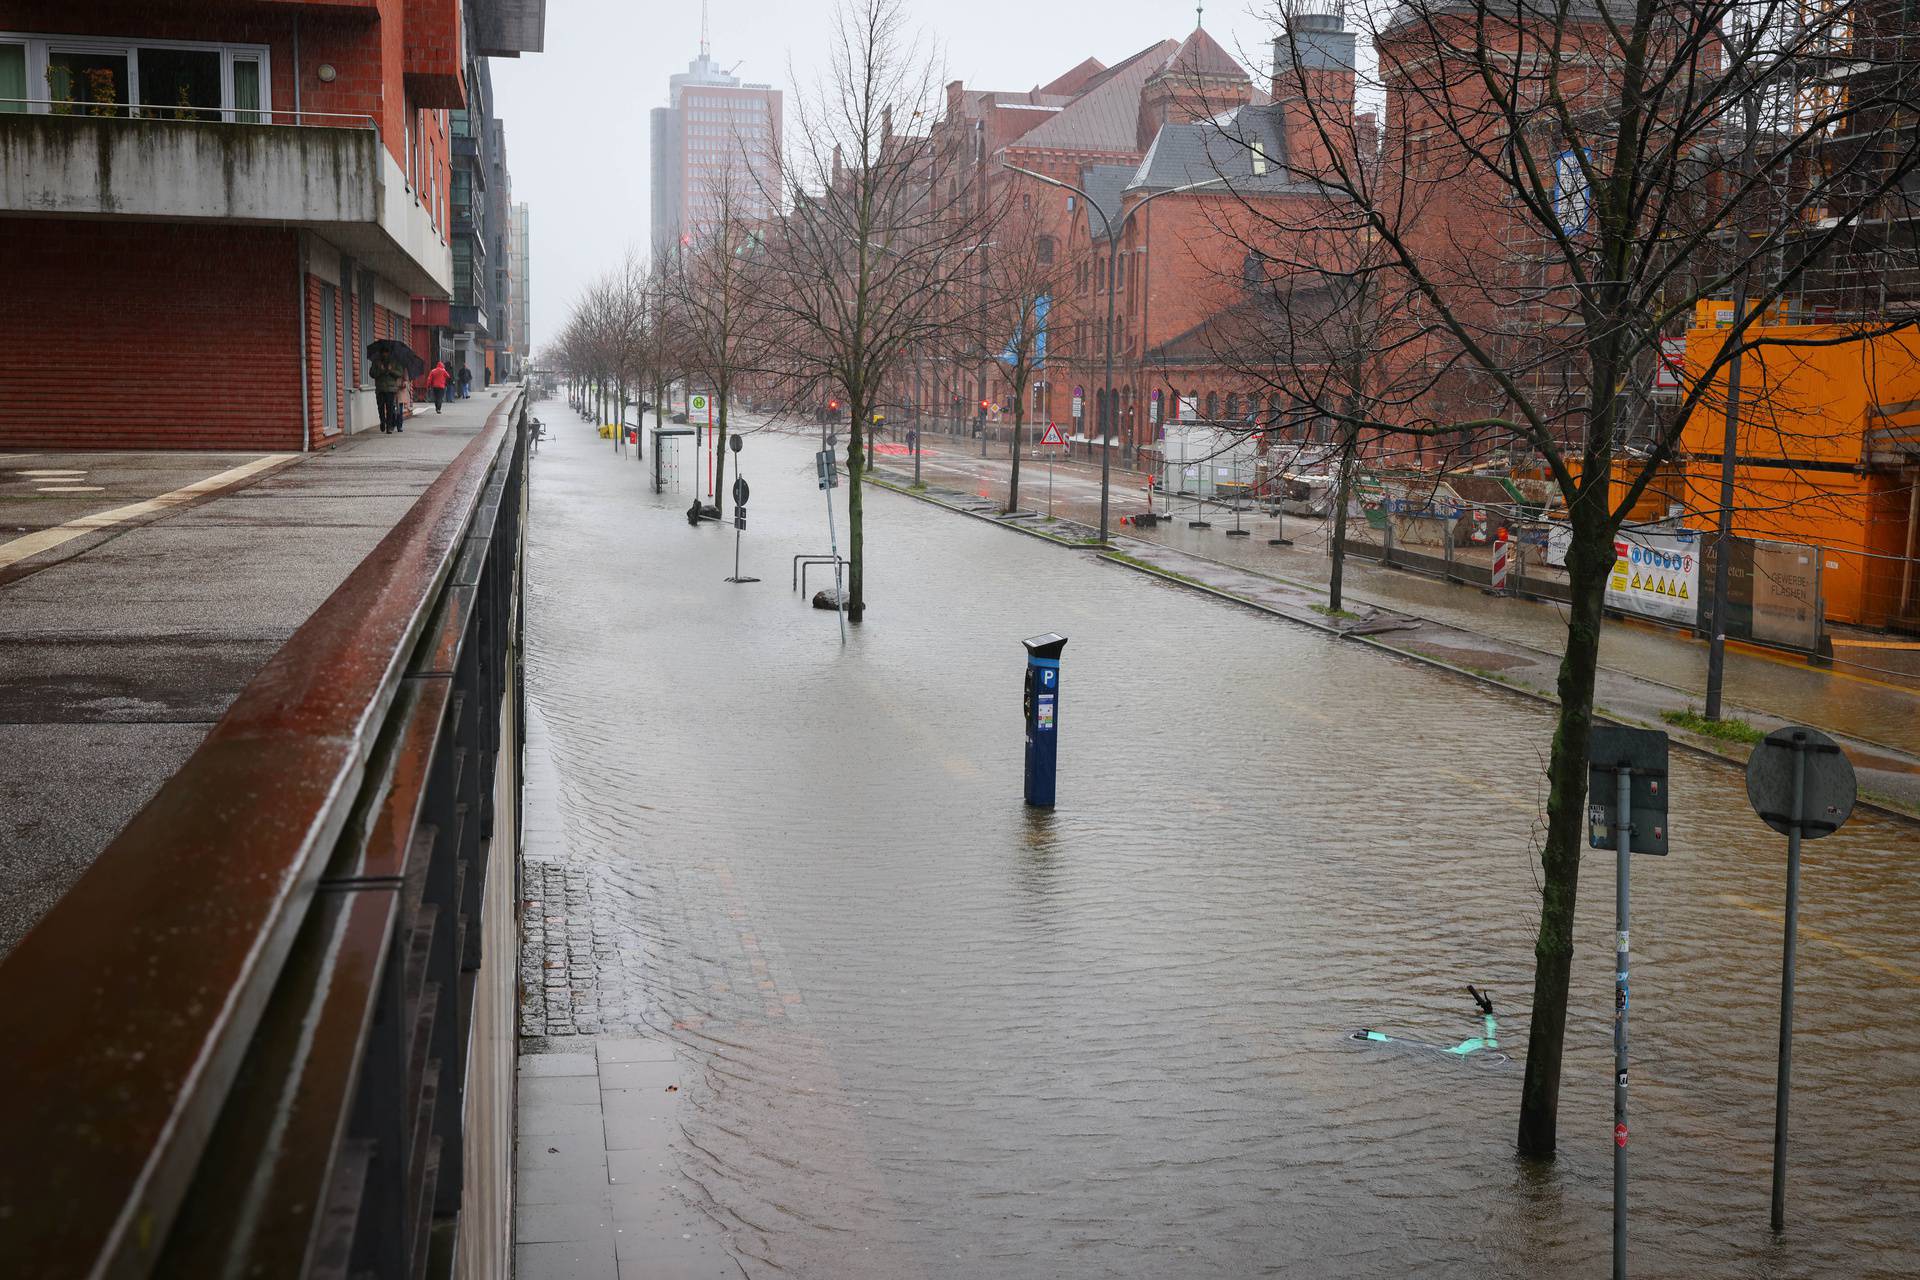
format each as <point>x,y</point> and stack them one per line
<point>435,53</point>
<point>334,178</point>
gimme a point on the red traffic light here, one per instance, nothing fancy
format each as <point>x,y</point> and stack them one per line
<point>983,406</point>
<point>833,404</point>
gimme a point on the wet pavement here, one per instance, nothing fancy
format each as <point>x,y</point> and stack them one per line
<point>925,1032</point>
<point>1867,695</point>
<point>122,645</point>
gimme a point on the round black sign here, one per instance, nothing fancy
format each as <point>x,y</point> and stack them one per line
<point>733,443</point>
<point>740,489</point>
<point>1827,785</point>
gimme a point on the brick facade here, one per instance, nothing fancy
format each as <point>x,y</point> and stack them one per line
<point>148,335</point>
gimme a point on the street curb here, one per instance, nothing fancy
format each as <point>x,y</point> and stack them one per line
<point>1686,741</point>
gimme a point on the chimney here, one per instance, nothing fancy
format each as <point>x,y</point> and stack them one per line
<point>1313,69</point>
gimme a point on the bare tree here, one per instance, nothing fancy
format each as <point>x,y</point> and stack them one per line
<point>715,283</point>
<point>869,263</point>
<point>1024,273</point>
<point>1566,181</point>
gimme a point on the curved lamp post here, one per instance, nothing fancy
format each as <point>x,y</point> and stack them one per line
<point>1111,409</point>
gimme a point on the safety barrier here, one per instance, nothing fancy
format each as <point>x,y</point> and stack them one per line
<point>240,1045</point>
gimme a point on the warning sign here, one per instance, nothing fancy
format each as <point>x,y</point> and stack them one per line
<point>1053,436</point>
<point>1656,575</point>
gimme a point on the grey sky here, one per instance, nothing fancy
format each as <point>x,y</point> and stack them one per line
<point>576,115</point>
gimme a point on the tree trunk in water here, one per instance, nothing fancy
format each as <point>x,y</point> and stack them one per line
<point>1013,482</point>
<point>856,540</point>
<point>1342,486</point>
<point>1589,561</point>
<point>720,455</point>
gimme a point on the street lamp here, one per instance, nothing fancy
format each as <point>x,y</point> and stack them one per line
<point>1109,412</point>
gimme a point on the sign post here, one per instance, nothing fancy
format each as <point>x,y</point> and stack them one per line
<point>829,481</point>
<point>1626,809</point>
<point>740,492</point>
<point>1801,784</point>
<point>1054,440</point>
<point>700,415</point>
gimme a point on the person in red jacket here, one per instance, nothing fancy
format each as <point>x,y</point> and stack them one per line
<point>437,383</point>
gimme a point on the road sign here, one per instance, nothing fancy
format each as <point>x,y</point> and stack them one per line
<point>828,473</point>
<point>1079,402</point>
<point>1644,752</point>
<point>740,491</point>
<point>1802,785</point>
<point>1053,436</point>
<point>699,409</point>
<point>1828,787</point>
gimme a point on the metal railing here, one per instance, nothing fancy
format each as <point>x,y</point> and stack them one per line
<point>238,1046</point>
<point>62,109</point>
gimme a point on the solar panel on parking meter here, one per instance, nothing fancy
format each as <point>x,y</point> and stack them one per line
<point>1627,807</point>
<point>1802,785</point>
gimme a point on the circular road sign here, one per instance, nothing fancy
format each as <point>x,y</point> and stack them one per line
<point>740,490</point>
<point>1829,789</point>
<point>733,442</point>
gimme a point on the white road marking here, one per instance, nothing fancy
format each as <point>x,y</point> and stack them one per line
<point>71,488</point>
<point>47,539</point>
<point>45,473</point>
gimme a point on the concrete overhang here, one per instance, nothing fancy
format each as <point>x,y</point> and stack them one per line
<point>509,28</point>
<point>338,182</point>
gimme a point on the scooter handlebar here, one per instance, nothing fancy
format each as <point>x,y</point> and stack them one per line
<point>1483,1000</point>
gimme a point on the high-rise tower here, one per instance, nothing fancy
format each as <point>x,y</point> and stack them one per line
<point>716,139</point>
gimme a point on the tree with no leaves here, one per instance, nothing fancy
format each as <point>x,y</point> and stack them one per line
<point>867,262</point>
<point>714,284</point>
<point>1023,274</point>
<point>1566,182</point>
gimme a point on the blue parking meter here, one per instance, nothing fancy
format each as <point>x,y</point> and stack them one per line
<point>1042,706</point>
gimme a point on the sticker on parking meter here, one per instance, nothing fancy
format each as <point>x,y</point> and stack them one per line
<point>1043,714</point>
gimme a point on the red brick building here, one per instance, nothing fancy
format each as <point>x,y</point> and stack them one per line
<point>207,211</point>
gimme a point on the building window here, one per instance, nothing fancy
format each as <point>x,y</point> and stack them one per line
<point>1233,406</point>
<point>13,76</point>
<point>1043,250</point>
<point>1213,405</point>
<point>155,79</point>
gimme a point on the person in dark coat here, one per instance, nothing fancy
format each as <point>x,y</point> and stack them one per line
<point>387,377</point>
<point>466,382</point>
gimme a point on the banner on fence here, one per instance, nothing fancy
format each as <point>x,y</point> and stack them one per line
<point>1656,575</point>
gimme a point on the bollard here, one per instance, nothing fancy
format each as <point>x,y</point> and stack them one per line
<point>1500,562</point>
<point>1042,713</point>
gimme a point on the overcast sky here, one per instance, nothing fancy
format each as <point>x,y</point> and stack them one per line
<point>576,115</point>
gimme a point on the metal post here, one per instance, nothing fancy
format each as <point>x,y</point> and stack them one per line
<point>1106,417</point>
<point>919,429</point>
<point>1783,1082</point>
<point>833,545</point>
<point>1623,804</point>
<point>1729,448</point>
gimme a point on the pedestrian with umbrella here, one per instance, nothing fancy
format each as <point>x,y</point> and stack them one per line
<point>393,362</point>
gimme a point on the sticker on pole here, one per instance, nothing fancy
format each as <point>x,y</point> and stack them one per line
<point>1620,1135</point>
<point>1053,436</point>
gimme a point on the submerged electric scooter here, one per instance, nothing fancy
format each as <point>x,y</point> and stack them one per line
<point>1482,1049</point>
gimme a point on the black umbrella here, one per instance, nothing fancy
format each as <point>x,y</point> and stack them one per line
<point>400,351</point>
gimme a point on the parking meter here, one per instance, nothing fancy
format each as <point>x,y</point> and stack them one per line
<point>1041,708</point>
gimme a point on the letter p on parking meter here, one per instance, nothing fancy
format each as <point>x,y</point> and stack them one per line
<point>1042,710</point>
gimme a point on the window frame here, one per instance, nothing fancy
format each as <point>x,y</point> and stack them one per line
<point>40,44</point>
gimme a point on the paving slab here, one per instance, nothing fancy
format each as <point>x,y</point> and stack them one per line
<point>124,645</point>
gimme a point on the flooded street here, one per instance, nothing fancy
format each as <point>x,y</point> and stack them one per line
<point>940,1035</point>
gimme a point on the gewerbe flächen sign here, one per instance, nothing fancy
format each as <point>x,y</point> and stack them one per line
<point>1656,575</point>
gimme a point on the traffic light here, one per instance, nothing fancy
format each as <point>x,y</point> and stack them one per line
<point>983,406</point>
<point>833,406</point>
